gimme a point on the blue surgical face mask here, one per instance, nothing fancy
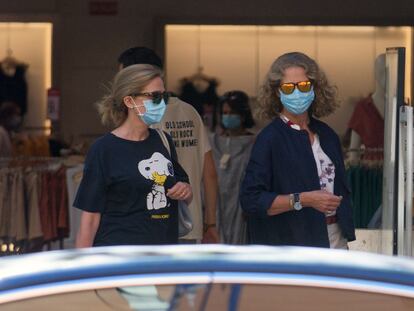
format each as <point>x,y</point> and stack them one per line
<point>297,102</point>
<point>231,121</point>
<point>153,112</point>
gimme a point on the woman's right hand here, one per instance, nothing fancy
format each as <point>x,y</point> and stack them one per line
<point>321,200</point>
<point>181,191</point>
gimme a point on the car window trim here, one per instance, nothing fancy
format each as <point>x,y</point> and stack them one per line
<point>247,278</point>
<point>332,282</point>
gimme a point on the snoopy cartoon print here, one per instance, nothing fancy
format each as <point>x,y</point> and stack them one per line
<point>157,168</point>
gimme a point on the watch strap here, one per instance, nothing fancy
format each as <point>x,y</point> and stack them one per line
<point>291,200</point>
<point>296,197</point>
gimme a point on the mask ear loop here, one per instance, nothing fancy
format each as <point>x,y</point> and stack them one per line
<point>135,107</point>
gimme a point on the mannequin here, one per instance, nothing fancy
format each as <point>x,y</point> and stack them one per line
<point>362,128</point>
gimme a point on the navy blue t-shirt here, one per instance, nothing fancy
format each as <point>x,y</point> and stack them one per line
<point>127,181</point>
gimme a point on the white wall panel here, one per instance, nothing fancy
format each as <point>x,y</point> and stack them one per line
<point>347,56</point>
<point>277,40</point>
<point>233,51</point>
<point>182,46</point>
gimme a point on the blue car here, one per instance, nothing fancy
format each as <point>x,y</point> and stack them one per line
<point>206,277</point>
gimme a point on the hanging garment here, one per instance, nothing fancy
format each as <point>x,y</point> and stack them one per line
<point>33,203</point>
<point>231,155</point>
<point>73,179</point>
<point>40,145</point>
<point>368,123</point>
<point>14,88</point>
<point>22,146</point>
<point>202,101</point>
<point>30,145</point>
<point>62,223</point>
<point>31,182</point>
<point>48,210</point>
<point>366,185</point>
<point>4,210</point>
<point>5,143</point>
<point>17,229</point>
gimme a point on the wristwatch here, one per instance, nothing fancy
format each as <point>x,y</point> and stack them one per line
<point>296,202</point>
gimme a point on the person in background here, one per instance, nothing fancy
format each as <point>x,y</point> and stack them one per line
<point>10,120</point>
<point>295,191</point>
<point>186,128</point>
<point>131,182</point>
<point>231,150</point>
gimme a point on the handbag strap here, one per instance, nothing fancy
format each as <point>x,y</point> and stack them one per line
<point>164,140</point>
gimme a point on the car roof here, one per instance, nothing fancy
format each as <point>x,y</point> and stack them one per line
<point>55,266</point>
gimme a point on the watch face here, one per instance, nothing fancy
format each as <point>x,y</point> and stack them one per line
<point>297,206</point>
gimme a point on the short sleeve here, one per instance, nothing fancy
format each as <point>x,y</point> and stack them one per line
<point>91,195</point>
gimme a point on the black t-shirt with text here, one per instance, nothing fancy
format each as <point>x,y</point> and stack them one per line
<point>127,181</point>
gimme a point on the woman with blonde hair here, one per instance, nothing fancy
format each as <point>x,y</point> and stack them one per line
<point>294,190</point>
<point>132,180</point>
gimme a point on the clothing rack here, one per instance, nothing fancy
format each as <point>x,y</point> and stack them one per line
<point>364,175</point>
<point>33,204</point>
<point>364,149</point>
<point>24,161</point>
<point>364,156</point>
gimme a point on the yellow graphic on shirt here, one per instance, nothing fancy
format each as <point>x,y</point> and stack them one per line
<point>159,179</point>
<point>160,216</point>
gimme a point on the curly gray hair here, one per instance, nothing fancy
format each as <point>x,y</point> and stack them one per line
<point>269,102</point>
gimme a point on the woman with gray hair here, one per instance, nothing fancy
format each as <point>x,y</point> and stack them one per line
<point>295,191</point>
<point>132,180</point>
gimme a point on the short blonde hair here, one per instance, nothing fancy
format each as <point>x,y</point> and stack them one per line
<point>269,102</point>
<point>127,81</point>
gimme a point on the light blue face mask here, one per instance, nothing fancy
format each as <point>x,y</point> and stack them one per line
<point>297,102</point>
<point>231,121</point>
<point>153,112</point>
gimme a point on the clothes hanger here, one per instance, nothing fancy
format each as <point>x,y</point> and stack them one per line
<point>10,63</point>
<point>200,80</point>
<point>199,75</point>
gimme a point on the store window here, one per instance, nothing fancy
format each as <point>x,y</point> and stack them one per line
<point>30,47</point>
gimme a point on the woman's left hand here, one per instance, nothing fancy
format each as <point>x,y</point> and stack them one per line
<point>181,191</point>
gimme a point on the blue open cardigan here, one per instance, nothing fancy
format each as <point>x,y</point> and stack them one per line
<point>282,162</point>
